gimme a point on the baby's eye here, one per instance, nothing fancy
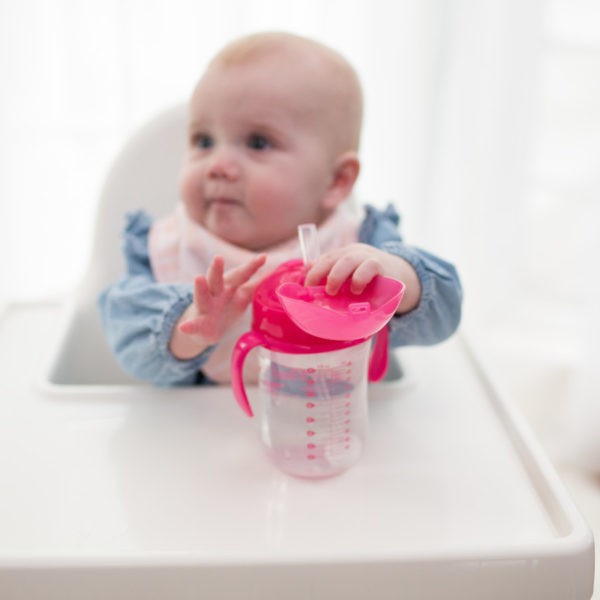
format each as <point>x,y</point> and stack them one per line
<point>202,140</point>
<point>258,142</point>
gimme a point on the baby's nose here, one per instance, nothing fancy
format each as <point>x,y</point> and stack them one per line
<point>224,165</point>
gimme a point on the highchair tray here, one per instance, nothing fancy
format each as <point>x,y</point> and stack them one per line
<point>129,491</point>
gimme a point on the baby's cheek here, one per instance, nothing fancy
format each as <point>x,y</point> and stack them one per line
<point>186,185</point>
<point>190,191</point>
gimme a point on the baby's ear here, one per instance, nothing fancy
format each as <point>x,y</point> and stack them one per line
<point>345,172</point>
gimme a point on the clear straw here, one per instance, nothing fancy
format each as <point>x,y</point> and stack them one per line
<point>309,242</point>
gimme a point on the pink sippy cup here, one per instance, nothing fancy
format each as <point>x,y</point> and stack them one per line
<point>315,358</point>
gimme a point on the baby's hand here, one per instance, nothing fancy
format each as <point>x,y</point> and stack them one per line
<point>361,263</point>
<point>219,299</point>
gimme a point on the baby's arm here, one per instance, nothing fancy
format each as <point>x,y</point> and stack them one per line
<point>219,299</point>
<point>360,263</point>
<point>139,314</point>
<point>437,291</point>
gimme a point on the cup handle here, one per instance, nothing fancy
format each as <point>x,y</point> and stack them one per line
<point>245,343</point>
<point>379,356</point>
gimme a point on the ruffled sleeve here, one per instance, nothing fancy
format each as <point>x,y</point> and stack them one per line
<point>438,313</point>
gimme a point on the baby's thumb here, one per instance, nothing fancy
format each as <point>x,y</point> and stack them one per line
<point>245,293</point>
<point>190,327</point>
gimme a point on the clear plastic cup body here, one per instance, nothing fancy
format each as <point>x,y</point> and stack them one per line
<point>314,409</point>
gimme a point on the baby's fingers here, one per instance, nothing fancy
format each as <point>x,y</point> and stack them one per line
<point>342,270</point>
<point>364,274</point>
<point>320,269</point>
<point>247,289</point>
<point>240,275</point>
<point>202,295</point>
<point>190,327</point>
<point>214,276</point>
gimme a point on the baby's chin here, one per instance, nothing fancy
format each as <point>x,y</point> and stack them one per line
<point>262,245</point>
<point>239,235</point>
<point>232,235</point>
<point>226,229</point>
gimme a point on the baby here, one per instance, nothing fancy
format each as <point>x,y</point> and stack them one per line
<point>273,140</point>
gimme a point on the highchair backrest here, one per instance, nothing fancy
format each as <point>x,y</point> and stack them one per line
<point>144,175</point>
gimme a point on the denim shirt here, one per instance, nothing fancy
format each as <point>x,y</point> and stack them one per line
<point>138,313</point>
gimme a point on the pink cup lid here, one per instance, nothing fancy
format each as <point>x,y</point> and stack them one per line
<point>270,317</point>
<point>293,315</point>
<point>344,316</point>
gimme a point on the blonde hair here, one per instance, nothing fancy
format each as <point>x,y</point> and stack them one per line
<point>342,88</point>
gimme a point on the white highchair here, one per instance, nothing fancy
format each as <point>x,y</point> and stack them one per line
<point>116,489</point>
<point>144,175</point>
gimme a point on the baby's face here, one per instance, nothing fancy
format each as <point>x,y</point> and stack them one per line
<point>259,159</point>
